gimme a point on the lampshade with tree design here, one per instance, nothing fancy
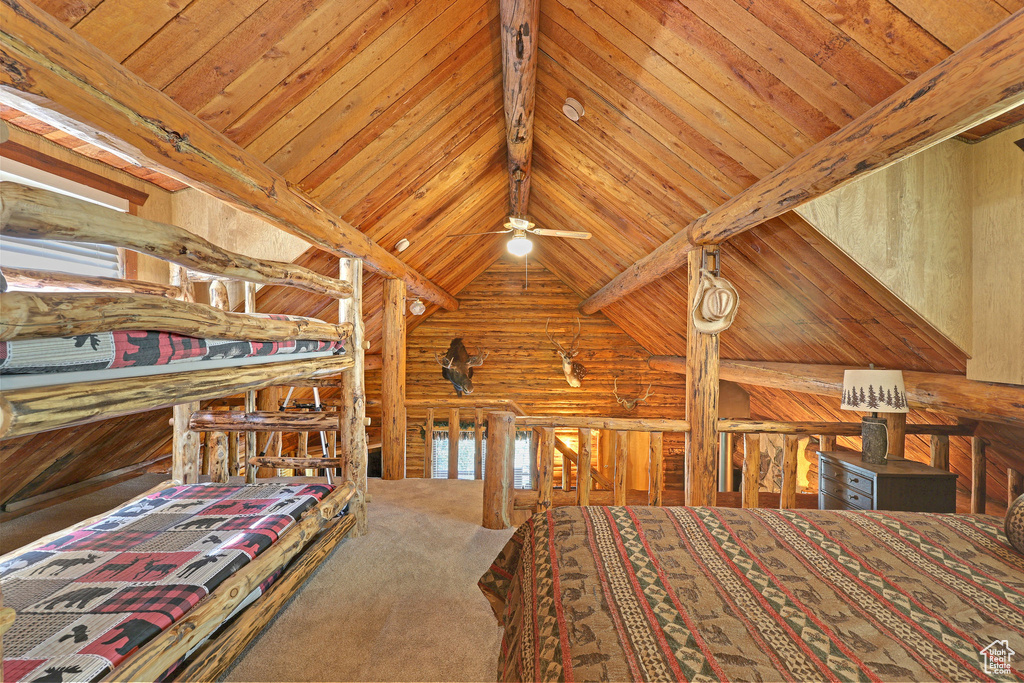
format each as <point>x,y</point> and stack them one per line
<point>874,391</point>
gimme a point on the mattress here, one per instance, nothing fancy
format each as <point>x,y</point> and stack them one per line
<point>114,355</point>
<point>89,599</point>
<point>658,594</point>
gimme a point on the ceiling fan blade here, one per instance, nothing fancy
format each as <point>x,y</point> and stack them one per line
<point>471,234</point>
<point>571,234</point>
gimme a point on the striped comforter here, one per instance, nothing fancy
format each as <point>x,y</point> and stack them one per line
<point>659,594</point>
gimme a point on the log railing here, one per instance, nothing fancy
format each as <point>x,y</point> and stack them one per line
<point>502,500</point>
<point>796,436</point>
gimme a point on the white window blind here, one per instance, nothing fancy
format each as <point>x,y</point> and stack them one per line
<point>77,258</point>
<point>467,455</point>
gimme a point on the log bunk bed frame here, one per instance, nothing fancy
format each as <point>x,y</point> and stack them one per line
<point>38,214</point>
<point>59,78</point>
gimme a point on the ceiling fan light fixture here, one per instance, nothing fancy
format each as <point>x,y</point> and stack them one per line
<point>520,244</point>
<point>417,307</point>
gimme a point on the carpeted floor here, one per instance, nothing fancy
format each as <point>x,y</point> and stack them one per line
<point>399,604</point>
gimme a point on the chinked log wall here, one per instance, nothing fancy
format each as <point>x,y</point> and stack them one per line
<point>497,314</point>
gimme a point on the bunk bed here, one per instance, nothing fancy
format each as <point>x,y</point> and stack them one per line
<point>178,581</point>
<point>685,593</point>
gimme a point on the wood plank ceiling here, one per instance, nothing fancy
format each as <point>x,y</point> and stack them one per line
<point>391,115</point>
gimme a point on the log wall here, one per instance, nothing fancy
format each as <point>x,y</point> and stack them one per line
<point>499,315</point>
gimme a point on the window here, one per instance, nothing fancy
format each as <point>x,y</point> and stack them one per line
<point>467,454</point>
<point>88,260</point>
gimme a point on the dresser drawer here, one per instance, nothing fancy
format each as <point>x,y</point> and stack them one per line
<point>853,480</point>
<point>850,497</point>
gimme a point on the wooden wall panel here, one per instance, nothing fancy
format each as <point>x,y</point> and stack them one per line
<point>499,315</point>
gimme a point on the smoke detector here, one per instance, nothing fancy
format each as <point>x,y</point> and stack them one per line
<point>417,307</point>
<point>402,245</point>
<point>573,110</point>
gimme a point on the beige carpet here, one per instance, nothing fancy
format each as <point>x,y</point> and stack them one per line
<point>400,604</point>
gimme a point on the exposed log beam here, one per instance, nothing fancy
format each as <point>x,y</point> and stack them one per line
<point>977,82</point>
<point>520,33</point>
<point>38,315</point>
<point>55,75</point>
<point>953,394</point>
<point>34,213</point>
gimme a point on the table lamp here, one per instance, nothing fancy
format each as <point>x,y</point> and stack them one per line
<point>874,391</point>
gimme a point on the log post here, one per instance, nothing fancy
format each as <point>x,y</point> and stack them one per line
<point>583,466</point>
<point>567,472</point>
<point>250,397</point>
<point>790,457</point>
<point>428,445</point>
<point>179,279</point>
<point>393,381</point>
<point>701,395</point>
<point>896,433</point>
<point>546,470</point>
<point>621,446</point>
<point>940,451</point>
<point>657,473</point>
<point>499,475</point>
<point>266,400</point>
<point>478,443</point>
<point>184,445</point>
<point>751,470</point>
<point>827,442</point>
<point>979,472</point>
<point>353,393</point>
<point>217,442</point>
<point>535,438</point>
<point>1014,485</point>
<point>453,443</point>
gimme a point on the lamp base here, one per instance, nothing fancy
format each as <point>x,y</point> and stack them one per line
<point>874,440</point>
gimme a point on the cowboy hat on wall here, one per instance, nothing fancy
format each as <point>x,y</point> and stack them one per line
<point>715,304</point>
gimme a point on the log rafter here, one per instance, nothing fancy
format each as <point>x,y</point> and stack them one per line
<point>981,80</point>
<point>520,33</point>
<point>57,76</point>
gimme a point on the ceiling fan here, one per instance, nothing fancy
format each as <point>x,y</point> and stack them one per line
<point>520,244</point>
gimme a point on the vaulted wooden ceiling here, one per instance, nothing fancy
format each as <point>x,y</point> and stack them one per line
<point>391,115</point>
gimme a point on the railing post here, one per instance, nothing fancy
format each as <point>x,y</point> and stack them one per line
<point>827,442</point>
<point>428,445</point>
<point>393,416</point>
<point>940,451</point>
<point>545,476</point>
<point>702,389</point>
<point>567,472</point>
<point>453,443</point>
<point>978,475</point>
<point>751,471</point>
<point>353,393</point>
<point>583,468</point>
<point>499,481</point>
<point>1014,485</point>
<point>250,398</point>
<point>478,439</point>
<point>657,469</point>
<point>621,443</point>
<point>217,442</point>
<point>790,453</point>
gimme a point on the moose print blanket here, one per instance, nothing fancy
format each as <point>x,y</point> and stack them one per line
<point>138,348</point>
<point>87,600</point>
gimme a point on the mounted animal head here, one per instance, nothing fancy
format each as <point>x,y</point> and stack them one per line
<point>630,404</point>
<point>457,366</point>
<point>572,369</point>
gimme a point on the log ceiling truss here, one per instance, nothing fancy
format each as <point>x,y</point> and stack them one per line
<point>391,116</point>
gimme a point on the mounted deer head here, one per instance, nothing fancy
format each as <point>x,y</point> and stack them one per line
<point>457,366</point>
<point>630,404</point>
<point>573,370</point>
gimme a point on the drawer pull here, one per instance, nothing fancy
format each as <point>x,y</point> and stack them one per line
<point>854,480</point>
<point>854,496</point>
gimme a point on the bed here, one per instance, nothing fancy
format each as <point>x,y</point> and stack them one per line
<point>89,598</point>
<point>678,593</point>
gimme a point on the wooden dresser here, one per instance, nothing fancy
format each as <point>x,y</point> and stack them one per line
<point>845,482</point>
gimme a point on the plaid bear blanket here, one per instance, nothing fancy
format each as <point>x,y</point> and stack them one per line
<point>90,598</point>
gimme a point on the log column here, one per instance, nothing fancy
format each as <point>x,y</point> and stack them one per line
<point>185,446</point>
<point>751,495</point>
<point>250,396</point>
<point>393,381</point>
<point>500,471</point>
<point>428,445</point>
<point>353,393</point>
<point>583,468</point>
<point>701,396</point>
<point>217,442</point>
